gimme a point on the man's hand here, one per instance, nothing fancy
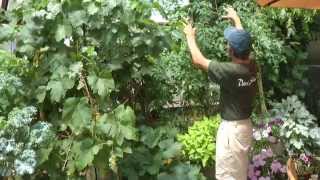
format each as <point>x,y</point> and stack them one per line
<point>232,15</point>
<point>189,30</point>
<point>197,58</point>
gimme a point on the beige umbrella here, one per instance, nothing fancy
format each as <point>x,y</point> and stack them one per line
<point>306,4</point>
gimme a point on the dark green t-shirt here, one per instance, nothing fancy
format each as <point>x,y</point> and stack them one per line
<point>238,89</point>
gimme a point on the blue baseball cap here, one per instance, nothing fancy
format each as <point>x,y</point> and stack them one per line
<point>239,39</point>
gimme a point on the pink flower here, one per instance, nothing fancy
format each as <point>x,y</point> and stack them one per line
<point>276,167</point>
<point>257,173</point>
<point>262,155</point>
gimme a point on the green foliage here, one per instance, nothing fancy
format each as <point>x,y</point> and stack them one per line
<point>182,171</point>
<point>156,156</point>
<point>154,148</point>
<point>298,132</point>
<point>84,66</point>
<point>94,69</point>
<point>199,143</point>
<point>179,81</point>
<point>280,40</point>
<point>77,114</point>
<point>119,125</point>
<point>83,154</point>
<point>12,72</point>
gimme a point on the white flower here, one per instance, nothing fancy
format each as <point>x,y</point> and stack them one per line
<point>67,41</point>
<point>265,133</point>
<point>269,130</point>
<point>257,135</point>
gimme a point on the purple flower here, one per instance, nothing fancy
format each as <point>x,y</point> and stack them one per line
<point>257,173</point>
<point>266,153</point>
<point>254,178</point>
<point>250,171</point>
<point>276,167</point>
<point>283,170</point>
<point>269,152</point>
<point>305,158</point>
<point>258,160</point>
<point>264,178</point>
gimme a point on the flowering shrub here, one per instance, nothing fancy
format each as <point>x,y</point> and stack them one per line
<point>292,132</point>
<point>299,134</point>
<point>20,141</point>
<point>267,164</point>
<point>268,131</point>
<point>8,79</point>
<point>299,131</point>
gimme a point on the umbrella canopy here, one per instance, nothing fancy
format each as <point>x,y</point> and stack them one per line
<point>306,4</point>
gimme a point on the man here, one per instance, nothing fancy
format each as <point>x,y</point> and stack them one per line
<point>237,80</point>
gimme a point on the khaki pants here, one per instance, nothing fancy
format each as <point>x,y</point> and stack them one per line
<point>234,139</point>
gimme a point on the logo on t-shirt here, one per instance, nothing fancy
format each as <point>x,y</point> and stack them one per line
<point>244,83</point>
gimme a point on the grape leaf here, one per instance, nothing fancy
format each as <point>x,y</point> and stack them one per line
<point>83,153</point>
<point>102,86</point>
<point>77,114</point>
<point>63,30</point>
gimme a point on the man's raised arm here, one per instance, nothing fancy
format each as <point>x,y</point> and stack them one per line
<point>197,57</point>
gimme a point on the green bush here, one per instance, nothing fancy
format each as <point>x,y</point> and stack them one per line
<point>156,156</point>
<point>199,144</point>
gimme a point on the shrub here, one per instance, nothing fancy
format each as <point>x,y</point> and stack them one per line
<point>298,132</point>
<point>21,142</point>
<point>157,156</point>
<point>199,143</point>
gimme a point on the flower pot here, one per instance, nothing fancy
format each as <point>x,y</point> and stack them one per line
<point>209,172</point>
<point>292,169</point>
